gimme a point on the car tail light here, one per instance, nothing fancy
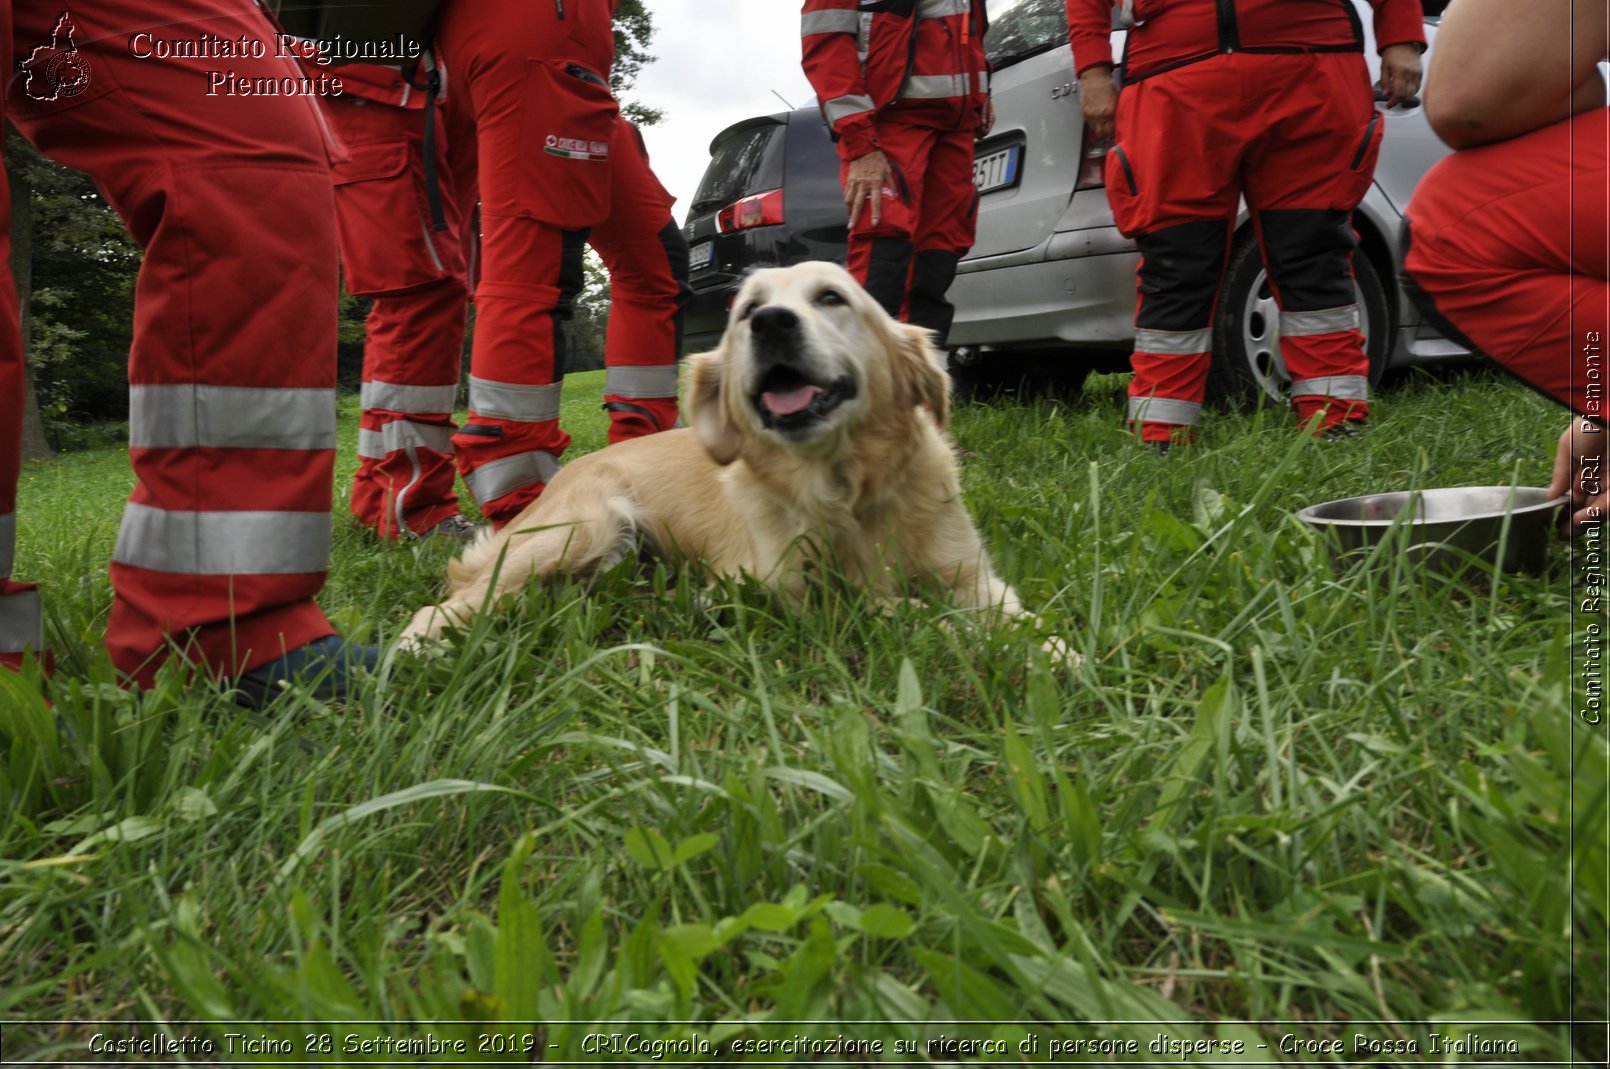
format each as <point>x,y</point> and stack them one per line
<point>1093,167</point>
<point>762,209</point>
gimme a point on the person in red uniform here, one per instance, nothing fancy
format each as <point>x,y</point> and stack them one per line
<point>1508,239</point>
<point>1266,99</point>
<point>532,79</point>
<point>904,119</point>
<point>392,250</point>
<point>225,540</point>
<point>417,274</point>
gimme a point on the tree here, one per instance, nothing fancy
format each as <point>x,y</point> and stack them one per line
<point>585,333</point>
<point>634,30</point>
<point>78,278</point>
<point>35,446</point>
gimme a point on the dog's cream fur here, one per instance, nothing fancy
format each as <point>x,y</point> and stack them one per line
<point>871,487</point>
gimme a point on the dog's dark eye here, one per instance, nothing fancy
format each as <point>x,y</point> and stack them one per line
<point>830,297</point>
<point>748,310</point>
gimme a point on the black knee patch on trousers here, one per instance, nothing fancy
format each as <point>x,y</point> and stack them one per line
<point>572,277</point>
<point>676,254</point>
<point>626,408</point>
<point>1309,256</point>
<point>932,272</point>
<point>888,267</point>
<point>1180,269</point>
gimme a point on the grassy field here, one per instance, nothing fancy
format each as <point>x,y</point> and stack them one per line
<point>1274,801</point>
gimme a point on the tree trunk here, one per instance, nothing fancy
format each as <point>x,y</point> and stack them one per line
<point>35,446</point>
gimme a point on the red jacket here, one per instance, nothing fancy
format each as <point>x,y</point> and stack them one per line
<point>1172,33</point>
<point>924,62</point>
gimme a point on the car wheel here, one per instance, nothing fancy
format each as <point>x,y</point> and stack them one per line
<point>982,376</point>
<point>1247,366</point>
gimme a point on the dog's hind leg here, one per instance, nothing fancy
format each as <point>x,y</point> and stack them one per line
<point>587,531</point>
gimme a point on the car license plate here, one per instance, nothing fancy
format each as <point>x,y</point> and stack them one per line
<point>701,254</point>
<point>998,170</point>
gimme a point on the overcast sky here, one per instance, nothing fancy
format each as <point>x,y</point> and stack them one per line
<point>717,61</point>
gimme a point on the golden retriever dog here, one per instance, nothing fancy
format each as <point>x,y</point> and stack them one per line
<point>816,435</point>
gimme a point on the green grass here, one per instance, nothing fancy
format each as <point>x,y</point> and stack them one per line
<point>1272,792</point>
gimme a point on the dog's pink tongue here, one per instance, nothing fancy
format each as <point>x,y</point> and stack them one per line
<point>790,401</point>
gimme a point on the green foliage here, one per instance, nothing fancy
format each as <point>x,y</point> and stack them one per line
<point>1272,791</point>
<point>634,32</point>
<point>81,312</point>
<point>588,327</point>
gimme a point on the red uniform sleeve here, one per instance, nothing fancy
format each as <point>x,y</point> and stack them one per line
<point>1090,32</point>
<point>1397,22</point>
<point>828,38</point>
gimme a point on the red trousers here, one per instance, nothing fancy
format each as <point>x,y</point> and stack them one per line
<point>225,540</point>
<point>908,261</point>
<point>418,278</point>
<point>1297,136</point>
<point>533,81</point>
<point>1508,248</point>
<point>647,258</point>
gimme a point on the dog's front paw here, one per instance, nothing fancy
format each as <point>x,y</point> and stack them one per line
<point>1060,652</point>
<point>423,635</point>
<point>419,645</point>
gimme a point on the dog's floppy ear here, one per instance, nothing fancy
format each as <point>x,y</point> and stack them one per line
<point>919,371</point>
<point>706,413</point>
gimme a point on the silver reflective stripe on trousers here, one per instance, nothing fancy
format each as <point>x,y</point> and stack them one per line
<point>1324,321</point>
<point>938,9</point>
<point>1173,342</point>
<point>402,434</point>
<point>1165,410</point>
<point>644,383</point>
<point>224,543</point>
<point>936,86</point>
<point>1341,387</point>
<point>829,22</point>
<point>492,480</point>
<point>513,401</point>
<point>230,417</point>
<point>845,106</point>
<point>8,544</point>
<point>415,400</point>
<point>22,626</point>
<point>1126,13</point>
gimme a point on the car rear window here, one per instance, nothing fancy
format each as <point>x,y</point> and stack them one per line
<point>744,160</point>
<point>1022,28</point>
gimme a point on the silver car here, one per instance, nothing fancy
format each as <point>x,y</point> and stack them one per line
<point>1049,286</point>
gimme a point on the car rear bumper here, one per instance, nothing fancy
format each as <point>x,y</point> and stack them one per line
<point>1076,289</point>
<point>705,315</point>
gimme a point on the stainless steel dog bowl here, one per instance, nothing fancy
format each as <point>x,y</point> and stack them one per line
<point>1438,527</point>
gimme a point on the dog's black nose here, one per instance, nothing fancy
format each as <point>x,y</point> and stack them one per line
<point>772,322</point>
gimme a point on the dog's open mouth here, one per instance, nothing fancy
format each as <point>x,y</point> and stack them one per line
<point>788,401</point>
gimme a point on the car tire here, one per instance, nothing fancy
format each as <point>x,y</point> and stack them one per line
<point>1247,368</point>
<point>1025,375</point>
